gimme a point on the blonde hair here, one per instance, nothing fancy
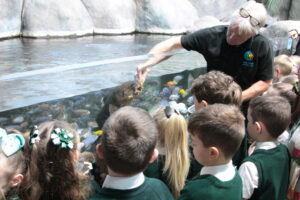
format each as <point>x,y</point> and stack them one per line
<point>284,63</point>
<point>52,170</point>
<point>173,136</point>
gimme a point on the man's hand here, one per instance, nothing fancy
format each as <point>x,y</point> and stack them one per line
<point>141,73</point>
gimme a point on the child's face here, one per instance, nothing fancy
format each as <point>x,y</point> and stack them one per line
<point>5,173</point>
<point>201,153</point>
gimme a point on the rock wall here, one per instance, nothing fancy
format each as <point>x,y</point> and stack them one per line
<point>10,18</point>
<point>55,18</point>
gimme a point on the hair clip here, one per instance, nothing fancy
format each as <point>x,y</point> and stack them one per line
<point>34,135</point>
<point>63,138</point>
<point>168,111</point>
<point>11,143</point>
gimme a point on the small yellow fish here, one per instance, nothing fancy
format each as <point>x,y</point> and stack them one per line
<point>182,91</point>
<point>99,132</point>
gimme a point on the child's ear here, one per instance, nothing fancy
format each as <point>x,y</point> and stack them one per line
<point>204,103</point>
<point>17,179</point>
<point>76,154</point>
<point>277,72</point>
<point>99,151</point>
<point>214,153</point>
<point>200,105</point>
<point>154,156</point>
<point>258,127</point>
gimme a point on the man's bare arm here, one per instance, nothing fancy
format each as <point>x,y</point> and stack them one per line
<point>255,89</point>
<point>158,52</point>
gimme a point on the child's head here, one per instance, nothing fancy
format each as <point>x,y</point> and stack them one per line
<point>282,67</point>
<point>285,90</point>
<point>173,137</point>
<point>217,132</point>
<point>215,87</point>
<point>290,79</point>
<point>128,141</point>
<point>268,114</point>
<point>52,167</point>
<point>12,162</point>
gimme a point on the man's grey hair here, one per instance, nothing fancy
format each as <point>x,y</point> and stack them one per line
<point>256,10</point>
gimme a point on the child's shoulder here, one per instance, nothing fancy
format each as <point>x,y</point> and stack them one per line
<point>151,189</point>
<point>210,187</point>
<point>261,153</point>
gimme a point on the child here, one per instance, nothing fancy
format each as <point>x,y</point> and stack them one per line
<point>217,132</point>
<point>12,164</point>
<point>265,172</point>
<point>217,87</point>
<point>127,146</point>
<point>52,164</point>
<point>282,67</point>
<point>172,165</point>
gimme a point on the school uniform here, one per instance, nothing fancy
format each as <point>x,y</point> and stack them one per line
<point>265,173</point>
<point>136,187</point>
<point>214,183</point>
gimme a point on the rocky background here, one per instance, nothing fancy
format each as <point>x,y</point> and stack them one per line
<point>56,18</point>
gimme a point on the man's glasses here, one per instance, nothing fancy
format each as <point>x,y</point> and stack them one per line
<point>253,21</point>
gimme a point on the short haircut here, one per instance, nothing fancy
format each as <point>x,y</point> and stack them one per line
<point>291,79</point>
<point>217,87</point>
<point>273,111</point>
<point>256,10</point>
<point>284,63</point>
<point>219,125</point>
<point>285,90</point>
<point>129,139</point>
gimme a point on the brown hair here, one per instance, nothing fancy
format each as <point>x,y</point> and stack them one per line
<point>52,170</point>
<point>217,87</point>
<point>285,90</point>
<point>17,163</point>
<point>273,111</point>
<point>128,140</point>
<point>219,125</point>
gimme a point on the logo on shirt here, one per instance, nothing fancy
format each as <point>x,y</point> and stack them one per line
<point>248,56</point>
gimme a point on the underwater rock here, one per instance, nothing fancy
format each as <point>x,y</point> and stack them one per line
<point>4,120</point>
<point>81,112</point>
<point>16,127</point>
<point>25,125</point>
<point>40,120</point>
<point>18,120</point>
<point>35,111</point>
<point>165,92</point>
<point>174,97</point>
<point>92,125</point>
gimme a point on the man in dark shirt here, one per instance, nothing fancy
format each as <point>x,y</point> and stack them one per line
<point>237,50</point>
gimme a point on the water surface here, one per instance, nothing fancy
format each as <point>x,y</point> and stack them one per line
<point>35,70</point>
